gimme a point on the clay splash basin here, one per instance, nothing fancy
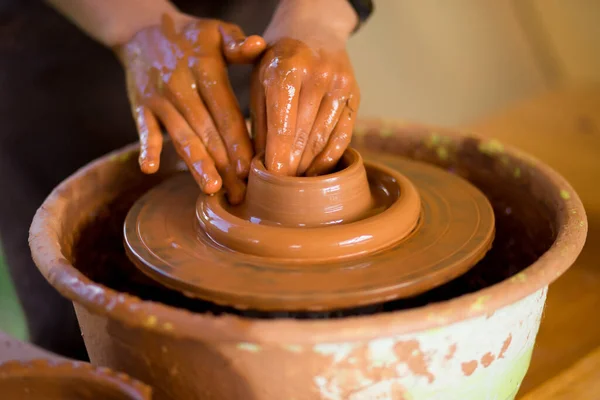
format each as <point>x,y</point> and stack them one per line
<point>468,339</point>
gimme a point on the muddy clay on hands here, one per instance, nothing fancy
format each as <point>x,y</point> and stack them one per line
<point>364,234</point>
<point>470,338</point>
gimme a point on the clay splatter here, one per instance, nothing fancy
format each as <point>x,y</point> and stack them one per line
<point>469,367</point>
<point>487,359</point>
<point>451,352</point>
<point>409,352</point>
<point>505,346</point>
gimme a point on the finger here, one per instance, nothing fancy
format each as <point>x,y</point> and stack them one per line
<point>180,92</point>
<point>188,146</point>
<point>238,48</point>
<point>258,112</point>
<point>282,95</point>
<point>308,107</point>
<point>327,117</point>
<point>188,102</point>
<point>150,139</point>
<point>339,141</point>
<point>226,114</point>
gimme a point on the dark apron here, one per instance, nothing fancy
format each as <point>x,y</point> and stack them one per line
<point>63,104</point>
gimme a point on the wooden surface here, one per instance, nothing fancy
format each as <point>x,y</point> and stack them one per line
<point>562,128</point>
<point>579,382</point>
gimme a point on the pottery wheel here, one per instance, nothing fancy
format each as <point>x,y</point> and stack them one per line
<point>173,234</point>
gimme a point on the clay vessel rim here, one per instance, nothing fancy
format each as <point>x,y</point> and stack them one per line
<point>351,157</point>
<point>343,232</point>
<point>405,185</point>
<point>45,368</point>
<point>571,222</point>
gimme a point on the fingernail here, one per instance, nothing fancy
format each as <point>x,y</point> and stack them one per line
<point>311,172</point>
<point>210,185</point>
<point>147,167</point>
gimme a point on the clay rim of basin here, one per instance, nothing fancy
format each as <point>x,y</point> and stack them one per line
<point>66,372</point>
<point>46,231</point>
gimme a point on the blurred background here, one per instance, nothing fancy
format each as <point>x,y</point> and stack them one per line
<point>451,63</point>
<point>458,63</point>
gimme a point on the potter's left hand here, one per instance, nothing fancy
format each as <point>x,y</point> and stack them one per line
<point>304,96</point>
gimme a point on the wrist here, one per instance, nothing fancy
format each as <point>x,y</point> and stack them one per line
<point>114,22</point>
<point>126,25</point>
<point>301,18</point>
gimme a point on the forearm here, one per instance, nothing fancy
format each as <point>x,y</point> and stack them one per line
<point>297,17</point>
<point>113,22</point>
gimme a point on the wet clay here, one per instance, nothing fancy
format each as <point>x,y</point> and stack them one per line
<point>342,215</point>
<point>407,233</point>
<point>43,379</point>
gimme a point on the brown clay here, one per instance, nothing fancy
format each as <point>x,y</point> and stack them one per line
<point>390,235</point>
<point>188,352</point>
<point>43,379</point>
<point>341,215</point>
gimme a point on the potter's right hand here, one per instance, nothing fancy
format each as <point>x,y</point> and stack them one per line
<point>176,76</point>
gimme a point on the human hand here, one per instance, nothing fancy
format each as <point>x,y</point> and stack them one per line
<point>304,96</point>
<point>176,76</point>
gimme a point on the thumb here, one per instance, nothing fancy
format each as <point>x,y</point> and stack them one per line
<point>239,49</point>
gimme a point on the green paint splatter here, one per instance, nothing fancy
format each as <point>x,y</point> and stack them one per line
<point>294,348</point>
<point>479,303</point>
<point>360,130</point>
<point>121,157</point>
<point>491,147</point>
<point>442,153</point>
<point>517,172</point>
<point>251,347</point>
<point>565,195</point>
<point>386,131</point>
<point>582,223</point>
<point>520,277</point>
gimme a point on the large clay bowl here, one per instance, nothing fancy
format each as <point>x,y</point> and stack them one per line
<point>475,345</point>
